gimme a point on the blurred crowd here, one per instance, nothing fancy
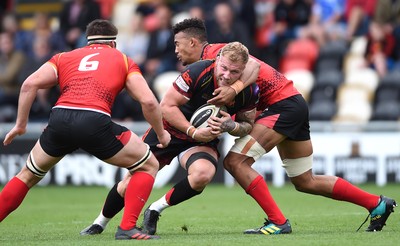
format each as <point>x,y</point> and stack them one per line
<point>290,35</point>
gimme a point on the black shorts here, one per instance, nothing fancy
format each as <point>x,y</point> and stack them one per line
<point>288,117</point>
<point>95,133</point>
<point>175,147</point>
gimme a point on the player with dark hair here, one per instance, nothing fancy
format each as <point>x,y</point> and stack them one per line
<point>196,148</point>
<point>89,78</point>
<point>283,123</point>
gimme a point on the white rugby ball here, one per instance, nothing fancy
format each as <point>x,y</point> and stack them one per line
<point>202,114</point>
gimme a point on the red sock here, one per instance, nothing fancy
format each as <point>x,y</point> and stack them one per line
<point>258,189</point>
<point>344,191</point>
<point>136,195</point>
<point>12,196</point>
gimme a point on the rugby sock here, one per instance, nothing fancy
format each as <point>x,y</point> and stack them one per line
<point>113,204</point>
<point>258,189</point>
<point>160,204</point>
<point>180,192</point>
<point>136,195</point>
<point>101,220</point>
<point>12,196</point>
<point>345,191</point>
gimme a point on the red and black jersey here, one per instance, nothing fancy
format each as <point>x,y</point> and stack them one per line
<point>274,87</point>
<point>197,83</point>
<point>91,77</point>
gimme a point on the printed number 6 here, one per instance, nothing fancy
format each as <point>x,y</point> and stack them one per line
<point>86,65</point>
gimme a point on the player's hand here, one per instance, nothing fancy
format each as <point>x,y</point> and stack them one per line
<point>164,140</point>
<point>16,131</point>
<point>223,96</point>
<point>221,124</point>
<point>205,135</point>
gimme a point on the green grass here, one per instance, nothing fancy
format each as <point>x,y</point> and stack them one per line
<point>55,215</point>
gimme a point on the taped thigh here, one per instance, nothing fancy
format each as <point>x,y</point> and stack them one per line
<point>142,161</point>
<point>201,155</point>
<point>296,167</point>
<point>31,165</point>
<point>248,146</point>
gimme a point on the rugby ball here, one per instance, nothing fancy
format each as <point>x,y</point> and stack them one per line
<point>202,114</point>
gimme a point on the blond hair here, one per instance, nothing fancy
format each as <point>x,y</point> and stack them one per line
<point>235,52</point>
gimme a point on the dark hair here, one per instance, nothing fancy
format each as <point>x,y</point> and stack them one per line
<point>101,27</point>
<point>193,27</point>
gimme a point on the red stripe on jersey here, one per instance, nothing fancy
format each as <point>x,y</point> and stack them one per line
<point>124,137</point>
<point>268,121</point>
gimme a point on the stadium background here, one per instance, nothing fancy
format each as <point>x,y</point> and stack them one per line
<point>354,107</point>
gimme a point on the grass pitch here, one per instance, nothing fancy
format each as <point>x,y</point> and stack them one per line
<point>56,215</point>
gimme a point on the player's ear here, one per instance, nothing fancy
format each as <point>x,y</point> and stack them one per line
<point>193,42</point>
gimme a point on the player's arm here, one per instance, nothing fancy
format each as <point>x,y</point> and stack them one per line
<point>170,104</point>
<point>172,113</point>
<point>226,94</point>
<point>139,90</point>
<point>43,78</point>
<point>241,126</point>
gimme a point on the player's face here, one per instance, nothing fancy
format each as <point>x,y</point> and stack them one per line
<point>185,49</point>
<point>227,72</point>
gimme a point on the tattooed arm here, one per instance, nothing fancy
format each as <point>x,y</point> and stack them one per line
<point>241,127</point>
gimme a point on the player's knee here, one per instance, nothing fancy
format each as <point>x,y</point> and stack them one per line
<point>230,163</point>
<point>201,179</point>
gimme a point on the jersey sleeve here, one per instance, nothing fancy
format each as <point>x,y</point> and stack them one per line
<point>54,61</point>
<point>132,67</point>
<point>188,80</point>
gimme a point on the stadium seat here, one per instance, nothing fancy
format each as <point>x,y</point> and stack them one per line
<point>331,77</point>
<point>303,80</point>
<point>335,49</point>
<point>353,103</point>
<point>348,93</point>
<point>355,112</point>
<point>358,46</point>
<point>387,93</point>
<point>322,110</point>
<point>321,93</point>
<point>364,76</point>
<point>386,111</point>
<point>163,81</point>
<point>392,79</point>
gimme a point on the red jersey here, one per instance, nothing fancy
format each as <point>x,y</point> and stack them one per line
<point>273,86</point>
<point>91,77</point>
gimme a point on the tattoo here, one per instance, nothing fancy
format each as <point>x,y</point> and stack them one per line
<point>228,126</point>
<point>245,121</point>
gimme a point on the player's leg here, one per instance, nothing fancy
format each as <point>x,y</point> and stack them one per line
<point>238,163</point>
<point>14,192</point>
<point>297,160</point>
<point>201,165</point>
<point>113,204</point>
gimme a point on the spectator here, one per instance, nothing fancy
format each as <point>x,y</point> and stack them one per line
<point>42,28</point>
<point>264,33</point>
<point>387,16</point>
<point>160,53</point>
<point>74,17</point>
<point>326,22</point>
<point>11,62</point>
<point>135,42</point>
<point>227,28</point>
<point>358,14</point>
<point>46,98</point>
<point>11,24</point>
<point>380,48</point>
<point>289,15</point>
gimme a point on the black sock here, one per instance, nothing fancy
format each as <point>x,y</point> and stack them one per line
<point>114,203</point>
<point>182,192</point>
